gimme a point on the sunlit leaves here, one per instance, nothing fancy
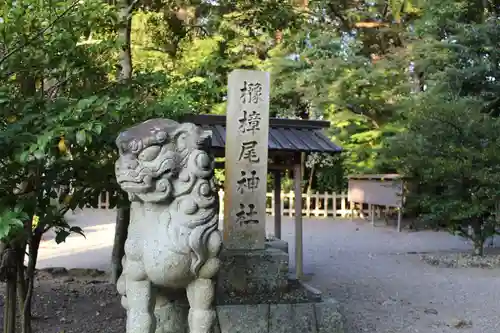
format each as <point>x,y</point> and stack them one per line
<point>11,221</point>
<point>60,109</point>
<point>450,139</point>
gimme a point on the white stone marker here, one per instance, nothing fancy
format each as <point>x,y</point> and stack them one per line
<point>247,131</point>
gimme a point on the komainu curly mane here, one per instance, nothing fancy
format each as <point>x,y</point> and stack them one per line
<point>171,162</point>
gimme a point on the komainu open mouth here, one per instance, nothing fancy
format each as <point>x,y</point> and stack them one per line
<point>135,187</point>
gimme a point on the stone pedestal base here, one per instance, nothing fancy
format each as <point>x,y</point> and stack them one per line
<point>255,295</point>
<point>317,317</point>
<point>252,275</point>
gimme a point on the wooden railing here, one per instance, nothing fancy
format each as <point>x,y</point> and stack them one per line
<point>316,204</point>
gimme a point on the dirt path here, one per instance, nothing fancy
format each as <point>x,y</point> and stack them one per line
<point>77,302</point>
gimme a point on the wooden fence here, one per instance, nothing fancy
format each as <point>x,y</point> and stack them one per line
<point>319,205</point>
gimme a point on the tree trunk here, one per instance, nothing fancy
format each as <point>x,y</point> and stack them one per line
<point>124,32</point>
<point>9,324</point>
<point>478,246</point>
<point>21,277</point>
<point>311,178</point>
<point>34,245</point>
<point>121,232</point>
<point>478,238</point>
<point>9,276</point>
<point>124,74</point>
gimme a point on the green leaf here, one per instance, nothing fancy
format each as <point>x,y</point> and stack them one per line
<point>10,221</point>
<point>24,157</point>
<point>39,154</point>
<point>97,129</point>
<point>4,230</point>
<point>86,102</point>
<point>77,230</point>
<point>81,137</point>
<point>61,235</point>
<point>197,79</point>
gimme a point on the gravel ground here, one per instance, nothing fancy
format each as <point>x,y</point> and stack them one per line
<point>490,259</point>
<point>385,287</point>
<point>377,274</point>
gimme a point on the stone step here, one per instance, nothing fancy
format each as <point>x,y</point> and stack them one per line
<point>319,317</point>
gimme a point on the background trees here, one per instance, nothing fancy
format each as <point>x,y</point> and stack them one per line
<point>449,138</point>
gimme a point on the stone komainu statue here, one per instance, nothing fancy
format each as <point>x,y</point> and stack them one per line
<point>173,239</point>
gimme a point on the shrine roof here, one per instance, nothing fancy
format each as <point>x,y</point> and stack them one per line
<point>285,135</point>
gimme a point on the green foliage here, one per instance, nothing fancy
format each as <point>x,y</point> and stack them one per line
<point>68,99</point>
<point>409,87</point>
<point>458,180</point>
<point>45,76</point>
<point>449,146</point>
<point>11,221</point>
<point>330,175</point>
<point>331,79</point>
<point>201,42</point>
<point>61,109</point>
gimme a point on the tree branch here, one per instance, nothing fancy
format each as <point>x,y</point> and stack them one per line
<point>339,16</point>
<point>40,33</point>
<point>52,91</point>
<point>361,112</point>
<point>492,107</point>
<point>371,24</point>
